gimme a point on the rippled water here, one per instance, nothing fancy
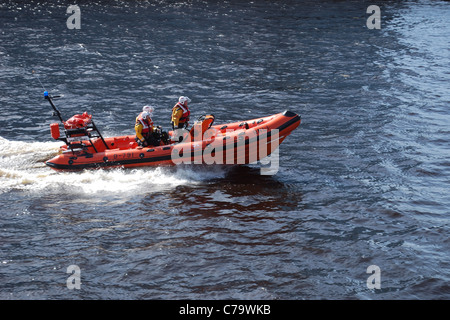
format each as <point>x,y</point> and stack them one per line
<point>363,181</point>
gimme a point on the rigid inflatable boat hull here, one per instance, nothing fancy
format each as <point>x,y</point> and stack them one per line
<point>245,138</point>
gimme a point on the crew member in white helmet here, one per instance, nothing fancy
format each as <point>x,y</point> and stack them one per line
<point>144,126</point>
<point>181,113</point>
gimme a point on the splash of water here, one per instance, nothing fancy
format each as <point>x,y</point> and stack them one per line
<point>22,168</point>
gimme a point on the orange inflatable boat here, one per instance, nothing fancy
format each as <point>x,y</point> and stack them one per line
<point>240,142</point>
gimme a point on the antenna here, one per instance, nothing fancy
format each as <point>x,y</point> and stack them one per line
<point>32,71</point>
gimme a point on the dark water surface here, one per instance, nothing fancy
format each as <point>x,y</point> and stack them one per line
<point>363,181</point>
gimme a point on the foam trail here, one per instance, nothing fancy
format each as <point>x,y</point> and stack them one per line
<point>20,154</point>
<point>22,168</point>
<point>22,163</point>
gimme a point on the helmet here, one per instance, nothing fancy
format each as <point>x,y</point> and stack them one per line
<point>183,100</point>
<point>148,109</point>
<point>145,115</point>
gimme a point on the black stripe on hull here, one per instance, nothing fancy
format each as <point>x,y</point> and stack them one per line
<point>106,164</point>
